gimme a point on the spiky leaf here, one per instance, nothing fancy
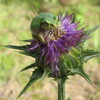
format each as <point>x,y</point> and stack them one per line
<point>23,47</point>
<point>88,54</point>
<point>69,99</point>
<point>31,54</point>
<point>79,70</point>
<point>45,74</point>
<point>30,40</point>
<point>89,32</point>
<point>37,74</point>
<point>29,66</point>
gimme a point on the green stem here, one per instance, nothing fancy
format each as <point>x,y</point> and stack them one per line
<point>61,89</point>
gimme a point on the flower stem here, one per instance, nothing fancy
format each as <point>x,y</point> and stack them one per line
<point>61,89</point>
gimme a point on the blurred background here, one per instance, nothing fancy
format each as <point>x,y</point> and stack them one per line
<point>15,19</point>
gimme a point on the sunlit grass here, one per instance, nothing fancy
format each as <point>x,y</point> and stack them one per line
<point>15,26</point>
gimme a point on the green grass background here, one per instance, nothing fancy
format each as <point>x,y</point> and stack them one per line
<point>15,19</point>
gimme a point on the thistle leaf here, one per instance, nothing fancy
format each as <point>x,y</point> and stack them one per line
<point>30,40</point>
<point>46,73</point>
<point>88,54</point>
<point>79,70</point>
<point>69,99</point>
<point>17,47</point>
<point>89,32</point>
<point>31,54</point>
<point>37,74</point>
<point>28,67</point>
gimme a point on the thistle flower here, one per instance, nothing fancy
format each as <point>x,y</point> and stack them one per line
<point>57,50</point>
<point>58,40</point>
